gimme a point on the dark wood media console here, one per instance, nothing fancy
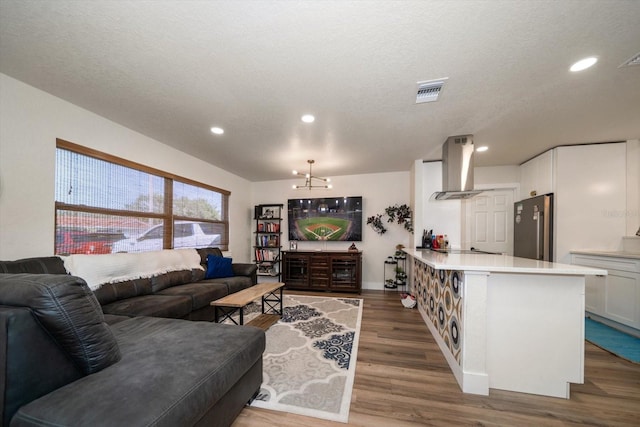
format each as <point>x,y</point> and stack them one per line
<point>338,271</point>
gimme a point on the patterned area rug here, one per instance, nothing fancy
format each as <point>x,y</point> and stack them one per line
<point>310,359</point>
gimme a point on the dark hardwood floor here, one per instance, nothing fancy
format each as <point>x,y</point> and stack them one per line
<point>402,379</point>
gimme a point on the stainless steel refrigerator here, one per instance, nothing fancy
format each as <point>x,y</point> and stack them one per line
<point>533,228</point>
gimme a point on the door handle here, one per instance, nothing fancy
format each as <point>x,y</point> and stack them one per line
<point>538,222</point>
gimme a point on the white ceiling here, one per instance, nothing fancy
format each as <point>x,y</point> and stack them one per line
<point>173,69</point>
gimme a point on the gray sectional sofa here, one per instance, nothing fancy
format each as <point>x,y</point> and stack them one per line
<point>177,294</point>
<point>123,355</point>
<point>184,294</point>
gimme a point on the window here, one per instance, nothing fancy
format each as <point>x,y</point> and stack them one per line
<point>107,204</point>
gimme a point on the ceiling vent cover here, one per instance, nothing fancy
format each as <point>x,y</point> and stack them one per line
<point>634,60</point>
<point>429,91</point>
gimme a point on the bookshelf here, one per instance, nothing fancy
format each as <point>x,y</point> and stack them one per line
<point>268,240</point>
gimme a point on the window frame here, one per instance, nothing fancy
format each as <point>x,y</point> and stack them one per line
<point>167,218</point>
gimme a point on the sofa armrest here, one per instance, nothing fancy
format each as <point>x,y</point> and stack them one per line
<point>245,269</point>
<point>32,363</point>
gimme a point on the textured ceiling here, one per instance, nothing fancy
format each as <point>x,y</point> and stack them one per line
<point>173,69</point>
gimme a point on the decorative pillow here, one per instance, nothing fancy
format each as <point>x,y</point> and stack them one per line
<point>69,311</point>
<point>218,266</point>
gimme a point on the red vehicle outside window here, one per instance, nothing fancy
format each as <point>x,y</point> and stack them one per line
<point>82,242</point>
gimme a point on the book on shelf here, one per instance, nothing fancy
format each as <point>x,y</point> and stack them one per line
<point>270,240</point>
<point>268,227</point>
<point>263,255</point>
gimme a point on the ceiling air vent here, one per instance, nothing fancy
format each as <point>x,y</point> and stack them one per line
<point>429,91</point>
<point>634,60</point>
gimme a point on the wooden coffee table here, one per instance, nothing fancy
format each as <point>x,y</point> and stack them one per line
<point>237,301</point>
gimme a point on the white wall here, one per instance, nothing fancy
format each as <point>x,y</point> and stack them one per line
<point>415,201</point>
<point>378,191</point>
<point>485,177</point>
<point>441,216</point>
<point>30,122</point>
<point>446,216</point>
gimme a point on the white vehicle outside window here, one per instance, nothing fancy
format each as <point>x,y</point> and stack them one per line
<point>185,235</point>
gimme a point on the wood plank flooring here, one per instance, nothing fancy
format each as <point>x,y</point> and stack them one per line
<point>402,379</point>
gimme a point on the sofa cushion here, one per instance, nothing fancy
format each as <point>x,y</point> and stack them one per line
<point>110,292</point>
<point>173,306</point>
<point>172,278</point>
<point>238,283</point>
<point>197,275</point>
<point>204,252</point>
<point>201,294</point>
<point>69,311</point>
<point>218,267</point>
<point>158,382</point>
<point>234,284</point>
<point>241,269</point>
<point>40,265</point>
<point>110,319</point>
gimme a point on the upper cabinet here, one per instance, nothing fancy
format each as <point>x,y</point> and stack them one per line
<point>536,175</point>
<point>591,203</point>
<point>590,186</point>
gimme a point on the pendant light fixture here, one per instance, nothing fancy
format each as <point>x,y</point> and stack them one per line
<point>308,184</point>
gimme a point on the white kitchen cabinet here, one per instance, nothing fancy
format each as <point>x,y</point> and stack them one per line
<point>594,294</point>
<point>590,198</point>
<point>537,175</point>
<point>617,296</point>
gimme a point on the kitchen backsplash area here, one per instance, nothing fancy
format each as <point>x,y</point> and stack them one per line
<point>631,244</point>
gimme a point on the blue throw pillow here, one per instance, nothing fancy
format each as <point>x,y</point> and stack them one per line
<point>218,266</point>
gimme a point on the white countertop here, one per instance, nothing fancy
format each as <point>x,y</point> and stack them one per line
<point>498,264</point>
<point>615,254</point>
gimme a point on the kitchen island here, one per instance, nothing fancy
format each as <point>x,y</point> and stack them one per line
<point>504,322</point>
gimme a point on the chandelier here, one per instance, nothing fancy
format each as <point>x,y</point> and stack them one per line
<point>308,184</point>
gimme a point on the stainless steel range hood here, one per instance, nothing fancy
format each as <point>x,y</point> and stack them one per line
<point>457,169</point>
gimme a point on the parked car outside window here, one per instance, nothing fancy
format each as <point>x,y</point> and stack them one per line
<point>83,242</point>
<point>186,234</point>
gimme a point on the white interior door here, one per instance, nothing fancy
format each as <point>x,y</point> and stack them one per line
<point>491,221</point>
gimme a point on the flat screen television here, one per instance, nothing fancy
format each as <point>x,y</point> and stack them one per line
<point>325,219</point>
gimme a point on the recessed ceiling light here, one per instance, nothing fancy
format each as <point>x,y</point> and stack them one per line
<point>308,118</point>
<point>482,148</point>
<point>583,64</point>
<point>217,130</point>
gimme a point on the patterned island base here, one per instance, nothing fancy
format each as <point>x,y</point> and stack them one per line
<point>438,295</point>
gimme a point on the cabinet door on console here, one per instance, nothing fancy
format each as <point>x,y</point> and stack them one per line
<point>319,271</point>
<point>346,272</point>
<point>296,270</point>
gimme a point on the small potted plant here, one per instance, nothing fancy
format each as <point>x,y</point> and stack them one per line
<point>401,276</point>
